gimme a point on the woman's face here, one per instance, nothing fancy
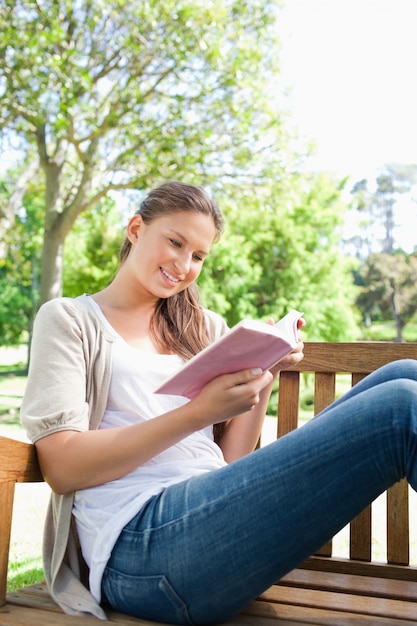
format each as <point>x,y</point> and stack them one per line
<point>167,254</point>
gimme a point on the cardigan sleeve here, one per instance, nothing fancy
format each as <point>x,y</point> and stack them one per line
<point>55,395</point>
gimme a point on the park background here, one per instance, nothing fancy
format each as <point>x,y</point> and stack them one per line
<point>299,117</point>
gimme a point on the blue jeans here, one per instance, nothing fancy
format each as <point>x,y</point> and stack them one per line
<point>199,552</point>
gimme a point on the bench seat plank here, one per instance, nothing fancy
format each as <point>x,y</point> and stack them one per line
<point>301,588</point>
<point>351,583</point>
<point>338,601</point>
<point>13,615</point>
<point>303,615</point>
<point>359,568</point>
<point>19,611</point>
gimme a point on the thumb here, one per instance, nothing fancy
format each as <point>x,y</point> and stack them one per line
<point>244,376</point>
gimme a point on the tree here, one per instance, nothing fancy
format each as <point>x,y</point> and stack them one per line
<point>91,254</point>
<point>389,288</point>
<point>91,258</point>
<point>284,253</point>
<point>227,280</point>
<point>116,95</point>
<point>361,241</point>
<point>377,208</point>
<point>385,202</point>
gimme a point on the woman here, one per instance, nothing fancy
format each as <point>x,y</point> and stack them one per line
<point>177,521</point>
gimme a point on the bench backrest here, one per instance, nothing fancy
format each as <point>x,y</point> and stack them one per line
<point>18,460</point>
<point>325,361</point>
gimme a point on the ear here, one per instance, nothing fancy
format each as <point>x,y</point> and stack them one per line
<point>132,231</point>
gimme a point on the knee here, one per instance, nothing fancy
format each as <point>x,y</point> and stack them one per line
<point>402,397</point>
<point>395,396</point>
<point>403,368</point>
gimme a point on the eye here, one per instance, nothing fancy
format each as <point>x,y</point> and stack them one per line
<point>175,243</point>
<point>198,258</point>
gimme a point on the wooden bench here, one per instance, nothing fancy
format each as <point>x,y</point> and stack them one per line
<point>326,589</point>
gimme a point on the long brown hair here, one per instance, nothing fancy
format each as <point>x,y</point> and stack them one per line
<point>178,323</point>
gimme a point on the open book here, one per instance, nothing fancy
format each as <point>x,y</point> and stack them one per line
<point>249,344</point>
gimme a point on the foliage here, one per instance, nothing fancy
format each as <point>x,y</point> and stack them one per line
<point>20,271</point>
<point>233,281</point>
<point>294,242</point>
<point>117,95</point>
<point>388,290</point>
<point>90,261</point>
<point>92,248</point>
<point>226,278</point>
<point>283,254</point>
<point>120,95</point>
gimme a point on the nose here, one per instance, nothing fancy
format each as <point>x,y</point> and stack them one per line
<point>183,262</point>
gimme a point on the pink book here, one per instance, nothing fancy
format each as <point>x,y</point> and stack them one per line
<point>249,344</point>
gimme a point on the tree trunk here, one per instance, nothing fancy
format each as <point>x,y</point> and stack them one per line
<point>396,313</point>
<point>399,328</point>
<point>55,231</point>
<point>52,261</point>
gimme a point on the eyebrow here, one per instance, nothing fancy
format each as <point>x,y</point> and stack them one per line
<point>181,236</point>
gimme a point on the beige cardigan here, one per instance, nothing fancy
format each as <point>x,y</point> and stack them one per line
<point>68,384</point>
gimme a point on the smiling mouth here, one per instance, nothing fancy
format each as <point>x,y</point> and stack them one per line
<point>169,276</point>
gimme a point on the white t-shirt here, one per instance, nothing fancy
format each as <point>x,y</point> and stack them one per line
<point>101,512</point>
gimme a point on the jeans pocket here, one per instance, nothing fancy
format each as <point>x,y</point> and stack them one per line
<point>145,597</point>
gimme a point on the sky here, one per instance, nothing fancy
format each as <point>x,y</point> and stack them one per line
<point>351,67</point>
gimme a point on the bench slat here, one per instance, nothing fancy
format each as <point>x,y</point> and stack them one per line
<point>6,510</point>
<point>378,569</point>
<point>398,531</point>
<point>324,390</point>
<point>288,402</point>
<point>18,615</point>
<point>356,357</point>
<point>309,616</point>
<point>21,605</point>
<point>360,546</point>
<point>361,585</point>
<point>340,602</point>
<point>19,462</point>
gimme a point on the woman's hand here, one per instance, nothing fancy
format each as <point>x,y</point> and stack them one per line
<point>295,356</point>
<point>239,400</point>
<point>230,395</point>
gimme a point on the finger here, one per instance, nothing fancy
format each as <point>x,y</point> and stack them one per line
<point>245,376</point>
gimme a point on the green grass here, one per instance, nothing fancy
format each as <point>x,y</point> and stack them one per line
<point>23,573</point>
<point>25,563</point>
<point>385,331</point>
